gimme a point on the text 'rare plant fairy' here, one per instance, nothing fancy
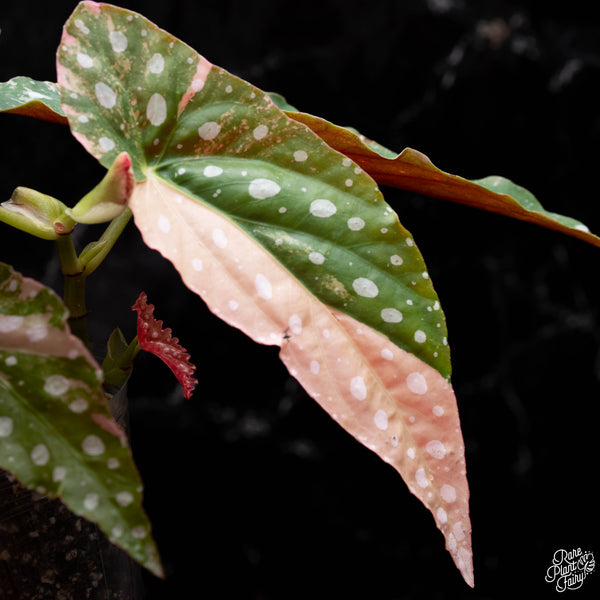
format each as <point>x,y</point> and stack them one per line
<point>275,219</point>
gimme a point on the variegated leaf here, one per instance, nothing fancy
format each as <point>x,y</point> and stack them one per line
<point>26,96</point>
<point>283,237</point>
<point>56,432</point>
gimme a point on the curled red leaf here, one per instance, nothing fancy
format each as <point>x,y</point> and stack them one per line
<point>160,342</point>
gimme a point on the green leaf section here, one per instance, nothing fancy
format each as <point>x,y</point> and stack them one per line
<point>412,170</point>
<point>56,432</point>
<point>129,86</point>
<point>31,98</point>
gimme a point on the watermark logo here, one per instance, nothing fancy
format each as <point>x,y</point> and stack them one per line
<point>570,568</point>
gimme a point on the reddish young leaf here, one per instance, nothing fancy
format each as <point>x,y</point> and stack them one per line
<point>411,170</point>
<point>153,338</point>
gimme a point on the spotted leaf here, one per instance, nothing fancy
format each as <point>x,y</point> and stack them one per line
<point>156,340</point>
<point>56,433</point>
<point>412,170</point>
<point>283,237</point>
<point>26,96</point>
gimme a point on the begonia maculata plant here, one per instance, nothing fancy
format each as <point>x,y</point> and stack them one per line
<point>275,219</point>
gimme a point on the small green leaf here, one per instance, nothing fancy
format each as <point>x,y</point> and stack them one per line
<point>109,198</point>
<point>31,98</point>
<point>412,170</point>
<point>56,432</point>
<point>37,214</point>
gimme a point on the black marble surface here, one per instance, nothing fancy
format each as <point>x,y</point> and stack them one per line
<point>253,490</point>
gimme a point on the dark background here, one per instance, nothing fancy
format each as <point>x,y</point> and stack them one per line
<point>253,490</point>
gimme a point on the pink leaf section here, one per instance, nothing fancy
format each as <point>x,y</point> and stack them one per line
<point>387,398</point>
<point>160,342</point>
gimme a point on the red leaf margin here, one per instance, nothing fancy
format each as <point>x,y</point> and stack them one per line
<point>160,342</point>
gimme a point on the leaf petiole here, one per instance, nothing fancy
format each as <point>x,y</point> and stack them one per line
<point>94,253</point>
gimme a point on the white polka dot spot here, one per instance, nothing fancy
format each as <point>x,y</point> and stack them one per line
<point>197,84</point>
<point>40,455</point>
<point>315,367</point>
<point>233,305</point>
<point>411,453</point>
<point>209,131</point>
<point>156,111</point>
<point>451,543</point>
<point>164,224</point>
<point>117,531</point>
<point>441,515</point>
<point>458,531</point>
<point>300,156</point>
<point>219,238</point>
<point>106,144</point>
<point>84,60</point>
<point>387,354</point>
<point>437,410</point>
<point>263,287</point>
<point>416,383</point>
<point>421,478</point>
<point>6,426</point>
<point>105,95</point>
<point>391,315</point>
<point>355,223</point>
<point>212,171</point>
<point>124,498</point>
<point>322,208</point>
<point>295,323</point>
<point>10,323</point>
<point>113,463</point>
<point>118,41</point>
<point>91,501</point>
<point>156,64</point>
<point>260,132</point>
<point>316,258</point>
<point>92,445</point>
<point>420,336</point>
<point>365,287</point>
<point>197,264</point>
<point>436,449</point>
<point>358,388</point>
<point>59,473</point>
<point>448,493</point>
<point>138,532</point>
<point>56,385</point>
<point>78,406</point>
<point>263,188</point>
<point>35,333</point>
<point>396,260</point>
<point>81,26</point>
<point>381,420</point>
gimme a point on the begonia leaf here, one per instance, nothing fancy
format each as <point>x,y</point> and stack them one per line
<point>411,170</point>
<point>56,432</point>
<point>283,238</point>
<point>160,342</point>
<point>31,98</point>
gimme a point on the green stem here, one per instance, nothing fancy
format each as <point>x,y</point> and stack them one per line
<point>74,286</point>
<point>94,253</point>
